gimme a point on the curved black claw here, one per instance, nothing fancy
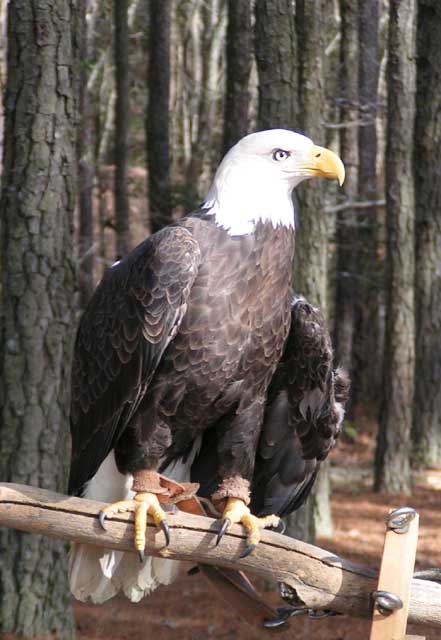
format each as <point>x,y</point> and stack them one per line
<point>281,527</point>
<point>141,554</point>
<point>249,549</point>
<point>166,530</point>
<point>226,523</point>
<point>101,519</point>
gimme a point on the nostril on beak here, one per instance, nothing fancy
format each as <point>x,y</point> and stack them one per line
<point>317,155</point>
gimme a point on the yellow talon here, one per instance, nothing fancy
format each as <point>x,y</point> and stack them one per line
<point>143,504</point>
<point>236,512</point>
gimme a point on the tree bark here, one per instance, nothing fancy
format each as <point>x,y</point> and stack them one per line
<point>157,125</point>
<point>3,44</point>
<point>36,210</point>
<point>394,443</point>
<point>85,171</point>
<point>239,48</point>
<point>311,229</point>
<point>346,220</point>
<point>367,355</point>
<point>208,31</point>
<point>276,56</point>
<point>427,418</point>
<point>122,117</point>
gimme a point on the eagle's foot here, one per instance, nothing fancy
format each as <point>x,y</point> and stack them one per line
<point>143,504</point>
<point>236,512</point>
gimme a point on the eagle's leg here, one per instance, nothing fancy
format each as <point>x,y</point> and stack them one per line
<point>233,497</point>
<point>144,503</point>
<point>237,512</point>
<point>236,453</point>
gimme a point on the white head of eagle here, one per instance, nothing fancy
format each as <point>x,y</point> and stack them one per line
<point>255,179</point>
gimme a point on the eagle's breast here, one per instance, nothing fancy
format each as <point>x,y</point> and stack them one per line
<point>235,327</point>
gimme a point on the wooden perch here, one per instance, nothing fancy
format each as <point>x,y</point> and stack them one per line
<point>320,579</point>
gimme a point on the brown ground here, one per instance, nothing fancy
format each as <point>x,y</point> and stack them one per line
<point>189,611</point>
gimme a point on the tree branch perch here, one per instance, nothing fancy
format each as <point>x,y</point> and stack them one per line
<point>321,579</point>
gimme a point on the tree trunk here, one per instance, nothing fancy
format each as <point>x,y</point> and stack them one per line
<point>427,418</point>
<point>239,48</point>
<point>157,125</point>
<point>122,116</point>
<point>208,36</point>
<point>106,98</point>
<point>85,172</point>
<point>346,220</point>
<point>367,356</point>
<point>311,229</point>
<point>277,65</point>
<point>297,89</point>
<point>311,226</point>
<point>36,209</point>
<point>276,57</point>
<point>321,503</point>
<point>3,41</point>
<point>394,444</point>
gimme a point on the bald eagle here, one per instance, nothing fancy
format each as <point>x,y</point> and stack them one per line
<point>195,362</point>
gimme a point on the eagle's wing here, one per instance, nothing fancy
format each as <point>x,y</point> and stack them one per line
<point>134,314</point>
<point>303,416</point>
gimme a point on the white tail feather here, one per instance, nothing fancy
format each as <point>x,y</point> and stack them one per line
<point>98,574</point>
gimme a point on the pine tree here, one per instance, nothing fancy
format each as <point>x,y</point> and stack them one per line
<point>36,209</point>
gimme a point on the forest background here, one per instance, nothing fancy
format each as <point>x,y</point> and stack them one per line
<point>115,116</point>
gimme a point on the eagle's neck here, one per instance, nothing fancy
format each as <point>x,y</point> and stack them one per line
<point>238,204</point>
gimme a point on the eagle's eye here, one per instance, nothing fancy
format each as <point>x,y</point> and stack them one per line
<point>280,154</point>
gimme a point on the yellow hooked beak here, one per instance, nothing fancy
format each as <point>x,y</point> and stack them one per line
<point>324,163</point>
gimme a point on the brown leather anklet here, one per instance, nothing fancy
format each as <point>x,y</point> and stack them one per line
<point>149,481</point>
<point>234,487</point>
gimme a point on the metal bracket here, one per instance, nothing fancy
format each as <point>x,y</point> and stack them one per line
<point>391,600</point>
<point>287,612</point>
<point>284,614</point>
<point>387,602</point>
<point>399,519</point>
<point>297,608</point>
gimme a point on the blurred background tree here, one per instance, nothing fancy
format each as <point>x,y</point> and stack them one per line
<point>427,161</point>
<point>392,472</point>
<point>157,116</point>
<point>121,133</point>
